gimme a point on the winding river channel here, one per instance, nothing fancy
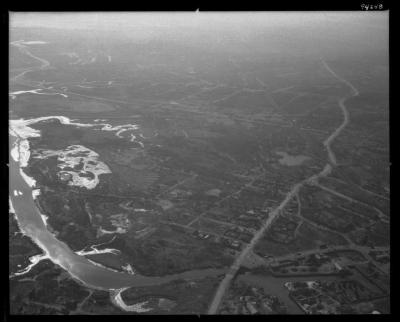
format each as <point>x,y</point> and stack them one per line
<point>32,224</point>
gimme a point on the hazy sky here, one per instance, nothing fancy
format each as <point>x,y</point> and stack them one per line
<point>101,20</point>
<point>303,33</point>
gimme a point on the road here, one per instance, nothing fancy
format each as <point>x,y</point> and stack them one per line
<point>249,184</point>
<point>384,218</point>
<point>224,285</point>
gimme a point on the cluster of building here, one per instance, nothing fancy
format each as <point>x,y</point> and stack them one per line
<point>239,233</point>
<point>252,300</point>
<point>201,235</point>
<point>313,264</point>
<point>283,231</point>
<point>331,297</point>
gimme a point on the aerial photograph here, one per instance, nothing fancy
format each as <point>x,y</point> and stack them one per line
<point>174,163</point>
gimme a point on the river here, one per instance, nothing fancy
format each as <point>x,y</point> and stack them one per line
<point>32,225</point>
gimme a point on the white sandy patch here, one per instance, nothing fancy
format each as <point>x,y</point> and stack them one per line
<point>63,95</point>
<point>24,153</point>
<point>30,181</point>
<point>34,260</point>
<point>32,91</point>
<point>73,156</point>
<point>30,42</point>
<point>128,268</point>
<point>35,193</point>
<point>102,266</point>
<point>33,42</point>
<point>10,206</point>
<point>119,133</point>
<point>119,128</point>
<point>22,129</point>
<point>17,193</point>
<point>119,230</point>
<point>14,152</point>
<point>95,251</point>
<point>137,307</point>
<point>44,218</point>
<point>133,139</point>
